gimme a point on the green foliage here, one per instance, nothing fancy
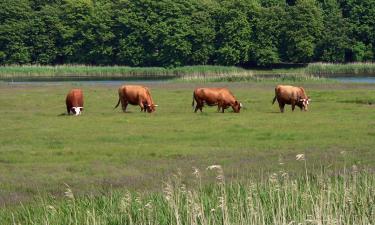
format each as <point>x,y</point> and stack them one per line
<point>332,45</point>
<point>172,33</point>
<point>267,29</point>
<point>233,41</point>
<point>302,30</point>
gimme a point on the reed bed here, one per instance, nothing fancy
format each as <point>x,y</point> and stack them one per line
<point>187,73</point>
<point>344,198</point>
<point>84,71</point>
<point>349,69</point>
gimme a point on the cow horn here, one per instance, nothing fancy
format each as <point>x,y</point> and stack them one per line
<point>241,105</point>
<point>156,105</point>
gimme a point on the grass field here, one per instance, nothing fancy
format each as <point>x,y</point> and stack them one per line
<point>105,149</point>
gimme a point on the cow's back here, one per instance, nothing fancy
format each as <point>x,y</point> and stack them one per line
<point>133,93</point>
<point>209,95</point>
<point>75,98</point>
<point>287,93</point>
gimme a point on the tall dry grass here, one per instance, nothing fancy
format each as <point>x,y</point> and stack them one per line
<point>325,198</point>
<point>187,73</point>
<point>348,69</point>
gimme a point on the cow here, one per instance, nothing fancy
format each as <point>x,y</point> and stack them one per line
<point>136,95</point>
<point>74,102</point>
<point>221,97</point>
<point>295,96</point>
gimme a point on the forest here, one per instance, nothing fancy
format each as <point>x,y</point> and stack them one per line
<point>171,33</point>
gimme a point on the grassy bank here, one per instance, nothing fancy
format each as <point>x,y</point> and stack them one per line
<point>209,73</point>
<point>279,199</point>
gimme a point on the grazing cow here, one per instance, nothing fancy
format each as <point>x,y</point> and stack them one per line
<point>74,101</point>
<point>136,95</point>
<point>295,96</point>
<point>221,97</point>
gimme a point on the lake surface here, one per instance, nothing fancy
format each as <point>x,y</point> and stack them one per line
<point>368,80</point>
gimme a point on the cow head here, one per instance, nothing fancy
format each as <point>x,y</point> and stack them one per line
<point>151,108</point>
<point>237,106</point>
<point>304,102</point>
<point>77,110</point>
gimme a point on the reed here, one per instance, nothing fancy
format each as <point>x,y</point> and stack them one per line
<point>350,69</point>
<point>345,198</point>
<point>186,73</point>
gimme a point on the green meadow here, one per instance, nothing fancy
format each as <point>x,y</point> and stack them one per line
<point>43,151</point>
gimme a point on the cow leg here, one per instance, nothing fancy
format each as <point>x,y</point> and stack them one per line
<point>140,103</point>
<point>293,106</point>
<point>124,107</point>
<point>68,109</point>
<point>198,106</point>
<point>281,105</point>
<point>124,104</point>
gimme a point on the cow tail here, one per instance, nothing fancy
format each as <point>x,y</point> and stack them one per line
<point>118,103</point>
<point>274,99</point>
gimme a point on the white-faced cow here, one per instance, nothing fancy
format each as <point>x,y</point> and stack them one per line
<point>221,97</point>
<point>136,95</point>
<point>290,95</point>
<point>74,102</point>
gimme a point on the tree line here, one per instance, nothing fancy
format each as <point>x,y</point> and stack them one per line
<point>186,32</point>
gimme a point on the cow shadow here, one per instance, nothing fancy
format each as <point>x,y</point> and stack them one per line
<point>274,112</point>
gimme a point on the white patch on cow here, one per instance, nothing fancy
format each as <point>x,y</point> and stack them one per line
<point>77,110</point>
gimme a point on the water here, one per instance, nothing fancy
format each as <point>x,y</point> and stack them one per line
<point>368,80</point>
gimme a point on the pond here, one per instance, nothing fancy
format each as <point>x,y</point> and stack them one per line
<point>368,80</point>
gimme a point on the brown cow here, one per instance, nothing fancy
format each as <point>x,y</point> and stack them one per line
<point>295,96</point>
<point>221,97</point>
<point>136,95</point>
<point>74,101</point>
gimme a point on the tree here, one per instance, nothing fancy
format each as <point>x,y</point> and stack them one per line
<point>44,35</point>
<point>233,33</point>
<point>14,25</point>
<point>97,33</point>
<point>333,43</point>
<point>74,16</point>
<point>360,15</point>
<point>302,29</point>
<point>267,25</point>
